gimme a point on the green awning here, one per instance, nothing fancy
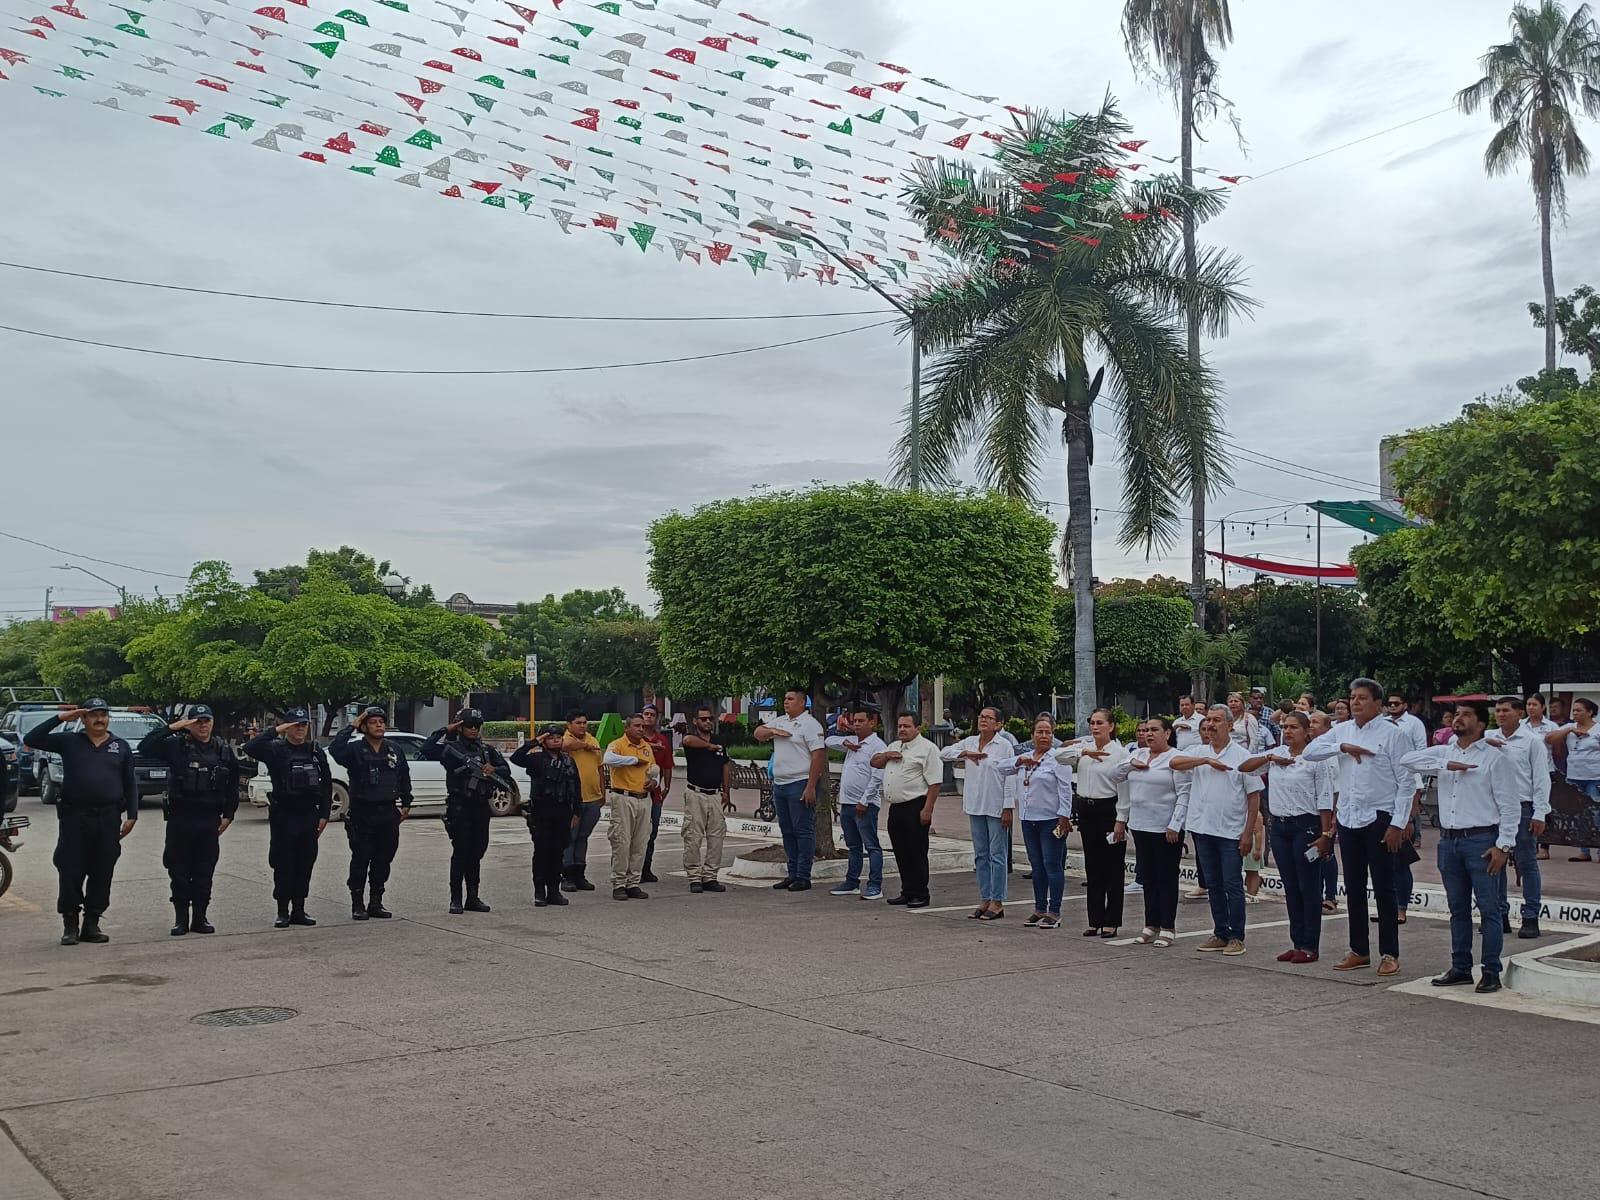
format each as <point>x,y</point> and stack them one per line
<point>1369,516</point>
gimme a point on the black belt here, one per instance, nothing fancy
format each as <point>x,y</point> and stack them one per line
<point>1095,799</point>
<point>695,787</point>
<point>635,795</point>
<point>1475,831</point>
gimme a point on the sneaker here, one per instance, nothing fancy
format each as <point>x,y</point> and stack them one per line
<point>800,885</point>
<point>1050,921</point>
<point>845,889</point>
<point>712,885</point>
<point>1033,919</point>
<point>281,921</point>
<point>300,918</point>
<point>557,899</point>
<point>1234,949</point>
<point>871,893</point>
<point>1211,945</point>
<point>783,885</point>
<point>1197,894</point>
<point>540,902</point>
<point>1133,889</point>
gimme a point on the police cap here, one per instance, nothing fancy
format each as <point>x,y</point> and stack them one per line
<point>96,705</point>
<point>201,712</point>
<point>297,716</point>
<point>470,716</point>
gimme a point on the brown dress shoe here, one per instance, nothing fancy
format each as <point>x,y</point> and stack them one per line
<point>1211,945</point>
<point>1388,965</point>
<point>1352,962</point>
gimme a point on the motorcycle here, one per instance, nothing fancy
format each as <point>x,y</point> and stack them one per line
<point>9,844</point>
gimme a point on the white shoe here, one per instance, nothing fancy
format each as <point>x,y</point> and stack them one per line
<point>1133,889</point>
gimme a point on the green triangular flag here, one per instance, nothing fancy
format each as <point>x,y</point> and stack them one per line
<point>332,28</point>
<point>365,170</point>
<point>275,100</point>
<point>841,126</point>
<point>756,258</point>
<point>220,129</point>
<point>585,30</point>
<point>765,62</point>
<point>133,29</point>
<point>311,72</point>
<point>389,156</point>
<point>400,4</point>
<point>642,233</point>
<point>801,164</point>
<point>524,199</point>
<point>492,80</point>
<point>72,73</point>
<point>352,16</point>
<point>241,122</point>
<point>482,102</point>
<point>608,176</point>
<point>876,118</point>
<point>630,122</point>
<point>426,138</point>
<point>48,92</point>
<point>610,6</point>
<point>495,201</point>
<point>739,75</point>
<point>327,49</point>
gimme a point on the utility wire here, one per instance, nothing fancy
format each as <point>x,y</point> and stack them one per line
<point>17,537</point>
<point>1346,145</point>
<point>283,366</point>
<point>437,312</point>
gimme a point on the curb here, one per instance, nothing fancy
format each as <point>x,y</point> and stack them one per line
<point>1530,975</point>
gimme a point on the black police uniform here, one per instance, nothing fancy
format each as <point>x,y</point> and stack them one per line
<point>301,798</point>
<point>378,779</point>
<point>97,785</point>
<point>202,792</point>
<point>467,813</point>
<point>555,796</point>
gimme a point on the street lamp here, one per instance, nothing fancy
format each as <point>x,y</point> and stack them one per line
<point>394,586</point>
<point>122,592</point>
<point>790,233</point>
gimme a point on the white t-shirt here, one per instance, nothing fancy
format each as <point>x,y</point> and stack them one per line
<point>791,756</point>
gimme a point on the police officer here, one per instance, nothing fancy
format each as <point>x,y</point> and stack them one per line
<point>555,796</point>
<point>379,777</point>
<point>97,780</point>
<point>473,772</point>
<point>301,803</point>
<point>202,796</point>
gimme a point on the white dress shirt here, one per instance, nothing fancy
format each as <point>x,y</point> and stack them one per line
<point>1300,788</point>
<point>1415,734</point>
<point>1156,798</point>
<point>1246,734</point>
<point>1484,795</point>
<point>914,773</point>
<point>1530,760</point>
<point>1186,731</point>
<point>791,756</point>
<point>1042,791</point>
<point>1095,777</point>
<point>1219,801</point>
<point>860,782</point>
<point>1583,752</point>
<point>983,789</point>
<point>1375,782</point>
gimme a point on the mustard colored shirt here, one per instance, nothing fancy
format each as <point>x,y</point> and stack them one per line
<point>589,771</point>
<point>633,778</point>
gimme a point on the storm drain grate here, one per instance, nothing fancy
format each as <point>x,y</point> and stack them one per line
<point>234,1018</point>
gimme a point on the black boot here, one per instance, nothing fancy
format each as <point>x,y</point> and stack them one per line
<point>569,884</point>
<point>456,908</point>
<point>283,915</point>
<point>199,924</point>
<point>297,915</point>
<point>180,919</point>
<point>556,898</point>
<point>541,895</point>
<point>91,929</point>
<point>69,929</point>
<point>583,883</point>
<point>1530,928</point>
<point>358,910</point>
<point>375,906</point>
<point>476,905</point>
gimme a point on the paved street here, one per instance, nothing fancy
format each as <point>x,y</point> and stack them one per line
<point>739,1045</point>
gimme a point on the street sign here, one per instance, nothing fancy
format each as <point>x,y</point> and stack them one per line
<point>530,670</point>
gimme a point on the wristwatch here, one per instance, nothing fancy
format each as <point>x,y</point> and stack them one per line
<point>1506,850</point>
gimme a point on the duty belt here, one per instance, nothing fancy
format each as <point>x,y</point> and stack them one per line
<point>635,795</point>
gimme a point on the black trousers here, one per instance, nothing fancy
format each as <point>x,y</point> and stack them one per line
<point>1363,854</point>
<point>88,843</point>
<point>374,839</point>
<point>1102,861</point>
<point>908,837</point>
<point>550,830</point>
<point>655,828</point>
<point>190,856</point>
<point>1158,861</point>
<point>291,852</point>
<point>467,823</point>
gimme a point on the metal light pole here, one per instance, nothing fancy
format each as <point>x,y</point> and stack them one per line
<point>790,233</point>
<point>122,592</point>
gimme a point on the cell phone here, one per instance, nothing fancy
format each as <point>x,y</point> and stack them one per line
<point>1111,839</point>
<point>1312,855</point>
<point>1056,832</point>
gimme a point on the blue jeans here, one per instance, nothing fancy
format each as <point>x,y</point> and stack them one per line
<point>1047,855</point>
<point>1465,874</point>
<point>1219,858</point>
<point>1591,791</point>
<point>989,842</point>
<point>1302,880</point>
<point>1527,859</point>
<point>861,838</point>
<point>576,858</point>
<point>1330,876</point>
<point>798,822</point>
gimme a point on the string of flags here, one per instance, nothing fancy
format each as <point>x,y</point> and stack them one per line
<point>664,124</point>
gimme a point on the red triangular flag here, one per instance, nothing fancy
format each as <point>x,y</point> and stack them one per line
<point>605,221</point>
<point>414,101</point>
<point>716,43</point>
<point>1034,187</point>
<point>719,252</point>
<point>527,14</point>
<point>1133,145</point>
<point>341,143</point>
<point>490,188</point>
<point>681,54</point>
<point>452,191</point>
<point>960,143</point>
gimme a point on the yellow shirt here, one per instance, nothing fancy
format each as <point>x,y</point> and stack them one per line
<point>589,771</point>
<point>635,778</point>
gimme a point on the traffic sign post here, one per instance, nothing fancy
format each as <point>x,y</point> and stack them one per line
<point>530,673</point>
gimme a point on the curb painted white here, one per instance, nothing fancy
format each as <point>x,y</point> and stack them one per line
<point>1532,975</point>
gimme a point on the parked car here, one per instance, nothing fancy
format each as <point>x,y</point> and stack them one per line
<point>16,722</point>
<point>427,783</point>
<point>131,727</point>
<point>9,793</point>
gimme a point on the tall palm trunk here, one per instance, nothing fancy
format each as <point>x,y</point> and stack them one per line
<point>1547,261</point>
<point>1191,270</point>
<point>1080,537</point>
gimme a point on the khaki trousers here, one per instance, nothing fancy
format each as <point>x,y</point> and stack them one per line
<point>629,835</point>
<point>702,823</point>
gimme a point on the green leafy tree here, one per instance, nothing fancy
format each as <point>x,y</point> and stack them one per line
<point>1213,656</point>
<point>614,656</point>
<point>88,655</point>
<point>1535,86</point>
<point>544,627</point>
<point>1578,318</point>
<point>364,575</point>
<point>1138,640</point>
<point>859,586</point>
<point>1410,646</point>
<point>1512,493</point>
<point>1280,621</point>
<point>1067,261</point>
<point>1178,40</point>
<point>22,643</point>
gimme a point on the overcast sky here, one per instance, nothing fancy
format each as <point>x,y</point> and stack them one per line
<point>1393,279</point>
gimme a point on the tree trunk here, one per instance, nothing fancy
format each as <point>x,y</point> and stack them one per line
<point>1080,538</point>
<point>1191,270</point>
<point>1547,261</point>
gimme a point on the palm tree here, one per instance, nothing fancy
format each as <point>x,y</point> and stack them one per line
<point>1534,85</point>
<point>1064,260</point>
<point>1177,36</point>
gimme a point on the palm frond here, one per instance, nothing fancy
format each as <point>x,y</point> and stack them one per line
<point>1218,295</point>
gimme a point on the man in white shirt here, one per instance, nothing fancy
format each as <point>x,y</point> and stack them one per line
<point>912,773</point>
<point>1530,759</point>
<point>799,763</point>
<point>860,793</point>
<point>1186,725</point>
<point>988,804</point>
<point>1478,815</point>
<point>1539,724</point>
<point>1223,803</point>
<point>1373,811</point>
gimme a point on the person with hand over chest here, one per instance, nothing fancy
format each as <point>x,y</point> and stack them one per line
<point>988,805</point>
<point>799,769</point>
<point>912,774</point>
<point>1094,760</point>
<point>1224,804</point>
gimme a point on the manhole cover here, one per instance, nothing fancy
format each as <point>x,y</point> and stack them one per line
<point>233,1018</point>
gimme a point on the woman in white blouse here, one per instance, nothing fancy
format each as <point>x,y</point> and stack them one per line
<point>1095,760</point>
<point>1581,738</point>
<point>1153,802</point>
<point>1044,806</point>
